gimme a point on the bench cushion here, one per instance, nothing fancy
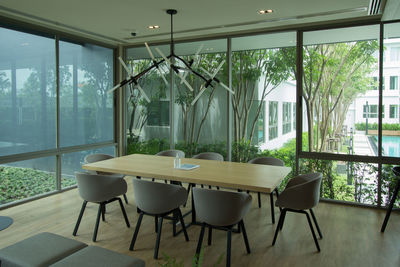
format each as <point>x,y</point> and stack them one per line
<point>39,250</point>
<point>93,256</point>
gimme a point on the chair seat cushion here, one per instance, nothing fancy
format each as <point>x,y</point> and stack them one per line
<point>39,250</point>
<point>93,256</point>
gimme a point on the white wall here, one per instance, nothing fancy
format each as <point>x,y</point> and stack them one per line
<point>285,92</point>
<point>390,97</point>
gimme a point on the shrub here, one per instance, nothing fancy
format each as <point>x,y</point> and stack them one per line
<point>19,183</point>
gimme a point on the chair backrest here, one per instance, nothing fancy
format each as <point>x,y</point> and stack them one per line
<point>171,153</point>
<point>209,156</point>
<point>91,158</point>
<point>220,208</point>
<point>267,161</point>
<point>98,188</point>
<point>96,157</point>
<point>302,192</point>
<point>158,198</point>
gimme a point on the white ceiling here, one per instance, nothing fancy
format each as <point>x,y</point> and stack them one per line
<point>113,21</point>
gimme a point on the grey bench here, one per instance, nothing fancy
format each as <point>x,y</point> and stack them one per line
<point>47,249</point>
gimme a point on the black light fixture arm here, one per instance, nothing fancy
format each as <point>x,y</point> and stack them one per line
<point>133,79</point>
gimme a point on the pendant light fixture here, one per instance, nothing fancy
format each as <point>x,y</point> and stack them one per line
<point>181,70</point>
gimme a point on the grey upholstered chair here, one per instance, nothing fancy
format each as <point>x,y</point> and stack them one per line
<point>301,193</point>
<point>171,153</point>
<point>100,189</point>
<point>208,156</point>
<point>159,200</point>
<point>274,162</point>
<point>99,157</point>
<point>221,210</point>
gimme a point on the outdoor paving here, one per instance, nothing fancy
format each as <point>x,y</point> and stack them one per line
<point>361,145</point>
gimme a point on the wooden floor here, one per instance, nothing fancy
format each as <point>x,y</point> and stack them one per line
<point>351,235</point>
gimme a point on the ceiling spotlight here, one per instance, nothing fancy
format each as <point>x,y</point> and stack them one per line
<point>265,11</point>
<point>153,27</point>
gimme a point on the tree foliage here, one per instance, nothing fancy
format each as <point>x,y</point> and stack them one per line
<point>334,75</point>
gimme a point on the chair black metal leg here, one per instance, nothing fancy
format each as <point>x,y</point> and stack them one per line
<point>283,221</point>
<point>209,235</point>
<point>312,231</point>
<point>389,210</point>
<point>246,241</point>
<point>209,187</point>
<point>160,221</point>
<point>124,212</point>
<point>155,223</point>
<point>217,187</point>
<point>228,248</point>
<point>97,221</point>
<point>126,199</point>
<point>103,212</point>
<point>271,197</point>
<point>188,192</point>
<point>79,218</point>
<point>277,195</point>
<point>259,199</point>
<point>183,224</point>
<point>174,222</point>
<point>199,243</point>
<point>279,225</point>
<point>316,223</point>
<point>135,234</point>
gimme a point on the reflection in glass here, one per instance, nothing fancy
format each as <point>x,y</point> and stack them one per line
<point>86,110</point>
<point>27,93</point>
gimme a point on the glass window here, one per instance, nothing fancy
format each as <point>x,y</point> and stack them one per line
<point>345,181</point>
<point>86,74</point>
<point>286,117</point>
<point>27,93</point>
<point>263,79</point>
<point>273,120</point>
<point>72,162</point>
<point>27,178</point>
<point>389,182</point>
<point>394,111</point>
<point>394,82</point>
<point>261,126</point>
<point>375,83</point>
<point>394,53</point>
<point>201,126</point>
<point>371,111</point>
<point>158,113</point>
<point>338,68</point>
<point>144,135</point>
<point>294,115</point>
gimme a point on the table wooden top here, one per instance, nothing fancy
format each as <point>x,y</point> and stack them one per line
<point>245,176</point>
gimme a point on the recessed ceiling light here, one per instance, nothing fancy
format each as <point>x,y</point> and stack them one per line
<point>265,11</point>
<point>153,27</point>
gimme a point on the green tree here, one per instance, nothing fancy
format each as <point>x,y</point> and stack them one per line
<point>333,76</point>
<point>255,74</point>
<point>5,83</point>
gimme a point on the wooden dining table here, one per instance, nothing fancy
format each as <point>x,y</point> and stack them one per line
<point>225,174</point>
